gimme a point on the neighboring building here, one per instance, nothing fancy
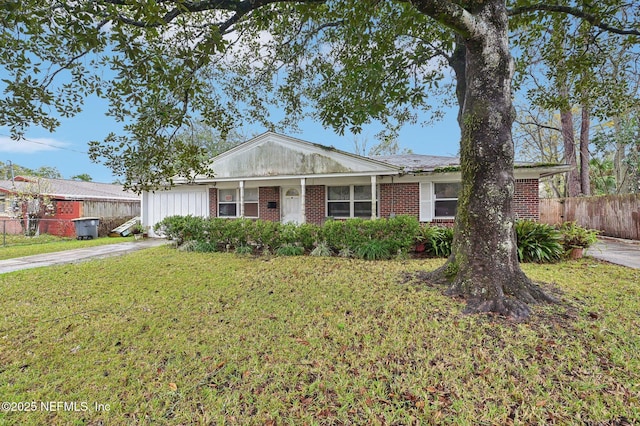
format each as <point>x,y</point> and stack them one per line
<point>280,178</point>
<point>68,199</point>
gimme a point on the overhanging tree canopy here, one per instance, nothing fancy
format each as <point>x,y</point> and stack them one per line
<point>347,61</point>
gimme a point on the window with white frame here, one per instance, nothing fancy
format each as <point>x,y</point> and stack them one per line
<point>445,199</point>
<point>251,202</point>
<point>349,201</point>
<point>229,202</point>
<point>438,200</point>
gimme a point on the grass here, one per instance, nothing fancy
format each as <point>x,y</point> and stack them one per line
<point>27,246</point>
<point>172,338</point>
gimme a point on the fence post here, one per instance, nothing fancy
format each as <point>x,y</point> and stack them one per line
<point>4,233</point>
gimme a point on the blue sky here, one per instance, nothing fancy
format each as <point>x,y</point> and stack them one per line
<point>66,148</point>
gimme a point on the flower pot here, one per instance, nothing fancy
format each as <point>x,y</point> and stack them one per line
<point>576,253</point>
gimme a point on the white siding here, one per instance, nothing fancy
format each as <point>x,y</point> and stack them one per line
<point>426,201</point>
<point>180,201</point>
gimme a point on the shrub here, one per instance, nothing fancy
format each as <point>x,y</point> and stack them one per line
<point>346,252</point>
<point>244,249</point>
<point>399,233</point>
<point>575,236</point>
<point>538,242</point>
<point>266,234</point>
<point>435,240</point>
<point>339,234</point>
<point>307,235</point>
<point>289,250</point>
<point>205,247</point>
<point>373,250</point>
<point>321,250</point>
<point>181,228</point>
<point>441,241</point>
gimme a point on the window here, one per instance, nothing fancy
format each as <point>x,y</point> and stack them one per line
<point>251,202</point>
<point>349,201</point>
<point>446,198</point>
<point>229,202</point>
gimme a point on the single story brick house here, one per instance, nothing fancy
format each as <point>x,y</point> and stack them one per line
<point>69,199</point>
<point>281,178</point>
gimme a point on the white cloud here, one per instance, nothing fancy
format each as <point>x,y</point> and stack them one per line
<point>30,145</point>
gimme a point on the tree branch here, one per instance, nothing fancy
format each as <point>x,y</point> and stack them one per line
<point>533,123</point>
<point>449,14</point>
<point>240,7</point>
<point>594,20</point>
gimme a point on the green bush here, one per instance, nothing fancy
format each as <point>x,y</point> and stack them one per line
<point>399,233</point>
<point>244,250</point>
<point>366,239</point>
<point>374,250</point>
<point>290,250</point>
<point>442,241</point>
<point>321,250</point>
<point>538,242</point>
<point>575,236</point>
<point>266,234</point>
<point>181,228</point>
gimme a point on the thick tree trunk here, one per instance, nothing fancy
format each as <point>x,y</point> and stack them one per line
<point>570,158</point>
<point>619,165</point>
<point>484,265</point>
<point>585,179</point>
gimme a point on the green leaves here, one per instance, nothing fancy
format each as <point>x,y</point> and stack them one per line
<point>538,242</point>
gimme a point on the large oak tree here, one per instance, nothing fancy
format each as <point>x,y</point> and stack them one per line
<point>349,62</point>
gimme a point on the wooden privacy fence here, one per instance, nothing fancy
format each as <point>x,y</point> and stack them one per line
<point>613,215</point>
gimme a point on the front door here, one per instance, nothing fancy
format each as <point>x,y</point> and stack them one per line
<point>291,205</point>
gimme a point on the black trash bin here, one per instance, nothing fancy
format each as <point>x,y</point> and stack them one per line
<point>86,227</point>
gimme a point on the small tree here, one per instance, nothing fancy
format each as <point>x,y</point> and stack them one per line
<point>30,205</point>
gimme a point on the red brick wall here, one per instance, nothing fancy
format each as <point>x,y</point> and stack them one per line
<point>213,202</point>
<point>268,194</point>
<point>315,204</point>
<point>400,198</point>
<point>526,202</point>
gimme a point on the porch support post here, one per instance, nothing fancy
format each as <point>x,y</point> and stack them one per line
<point>303,198</point>
<point>241,198</point>
<point>374,213</point>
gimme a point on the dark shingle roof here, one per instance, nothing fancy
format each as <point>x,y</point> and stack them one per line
<point>412,163</point>
<point>68,189</point>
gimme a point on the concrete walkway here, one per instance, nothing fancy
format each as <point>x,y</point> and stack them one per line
<point>77,255</point>
<point>615,250</point>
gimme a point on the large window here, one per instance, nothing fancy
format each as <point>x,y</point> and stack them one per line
<point>446,199</point>
<point>229,202</point>
<point>349,201</point>
<point>251,202</point>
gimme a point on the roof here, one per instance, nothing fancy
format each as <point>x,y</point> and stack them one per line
<point>276,156</point>
<point>68,189</point>
<point>412,163</point>
<point>418,163</point>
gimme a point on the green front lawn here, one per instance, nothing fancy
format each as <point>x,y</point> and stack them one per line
<point>167,337</point>
<point>27,246</point>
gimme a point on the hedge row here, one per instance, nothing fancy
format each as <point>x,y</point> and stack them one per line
<point>366,239</point>
<point>369,239</point>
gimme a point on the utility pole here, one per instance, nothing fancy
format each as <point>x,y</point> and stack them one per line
<point>13,177</point>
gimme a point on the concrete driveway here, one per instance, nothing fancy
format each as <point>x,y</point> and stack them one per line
<point>77,255</point>
<point>614,250</point>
